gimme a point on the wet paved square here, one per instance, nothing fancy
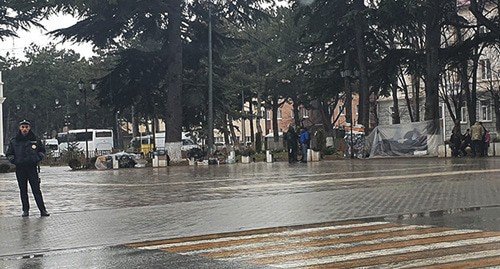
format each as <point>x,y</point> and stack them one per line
<point>115,207</point>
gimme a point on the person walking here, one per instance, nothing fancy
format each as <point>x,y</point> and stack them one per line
<point>291,140</point>
<point>477,133</point>
<point>305,138</point>
<point>486,142</point>
<point>25,151</point>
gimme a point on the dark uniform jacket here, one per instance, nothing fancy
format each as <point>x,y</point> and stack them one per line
<point>25,150</point>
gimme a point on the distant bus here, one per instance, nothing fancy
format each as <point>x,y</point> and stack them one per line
<point>100,141</point>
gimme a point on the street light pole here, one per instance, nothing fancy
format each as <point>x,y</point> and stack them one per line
<point>210,141</point>
<point>84,91</point>
<point>348,106</point>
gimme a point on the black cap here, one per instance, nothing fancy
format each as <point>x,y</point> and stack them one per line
<point>24,122</point>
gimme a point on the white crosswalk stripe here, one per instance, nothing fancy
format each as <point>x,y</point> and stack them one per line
<point>300,240</point>
<point>344,244</point>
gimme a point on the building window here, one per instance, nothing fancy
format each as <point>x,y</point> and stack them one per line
<point>305,113</point>
<point>341,110</point>
<point>219,140</point>
<point>280,114</point>
<point>463,115</point>
<point>485,67</point>
<point>484,111</point>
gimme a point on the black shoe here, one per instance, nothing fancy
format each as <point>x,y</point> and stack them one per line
<point>25,213</point>
<point>44,213</point>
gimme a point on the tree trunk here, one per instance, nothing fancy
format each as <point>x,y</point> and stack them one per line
<point>174,82</point>
<point>275,106</point>
<point>433,42</point>
<point>348,89</point>
<point>496,104</point>
<point>259,104</point>
<point>396,119</point>
<point>374,110</point>
<point>407,97</point>
<point>364,91</point>
<point>326,118</point>
<point>252,130</point>
<point>296,116</point>
<point>416,97</point>
<point>471,93</point>
<point>231,129</point>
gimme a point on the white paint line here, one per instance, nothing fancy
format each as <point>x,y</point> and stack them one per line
<point>441,260</point>
<point>386,252</point>
<point>305,239</point>
<point>305,250</point>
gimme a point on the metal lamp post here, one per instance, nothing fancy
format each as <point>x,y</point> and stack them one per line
<point>77,103</point>
<point>84,91</point>
<point>210,141</point>
<point>346,74</point>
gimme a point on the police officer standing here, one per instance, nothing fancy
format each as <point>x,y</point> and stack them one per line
<point>25,151</point>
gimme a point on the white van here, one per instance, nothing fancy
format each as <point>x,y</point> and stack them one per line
<point>144,143</point>
<point>52,147</point>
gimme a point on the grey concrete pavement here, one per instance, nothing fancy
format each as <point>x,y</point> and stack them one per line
<point>109,208</point>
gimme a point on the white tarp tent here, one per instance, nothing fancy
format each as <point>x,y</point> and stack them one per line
<point>407,139</point>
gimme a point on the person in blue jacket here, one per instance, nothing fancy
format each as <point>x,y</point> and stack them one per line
<point>305,139</point>
<point>25,151</point>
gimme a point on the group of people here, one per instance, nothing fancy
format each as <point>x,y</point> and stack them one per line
<point>304,137</point>
<point>477,138</point>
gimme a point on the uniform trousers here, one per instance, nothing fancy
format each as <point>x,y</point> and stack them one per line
<point>29,174</point>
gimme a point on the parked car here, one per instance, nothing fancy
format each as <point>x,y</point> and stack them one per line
<point>188,144</point>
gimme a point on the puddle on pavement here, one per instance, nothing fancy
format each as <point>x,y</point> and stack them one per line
<point>483,218</point>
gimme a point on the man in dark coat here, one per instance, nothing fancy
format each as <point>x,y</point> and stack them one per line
<point>25,151</point>
<point>291,140</point>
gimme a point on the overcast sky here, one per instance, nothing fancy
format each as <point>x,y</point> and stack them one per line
<point>15,46</point>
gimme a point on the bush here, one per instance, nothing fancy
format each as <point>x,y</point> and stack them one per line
<point>75,164</point>
<point>248,151</point>
<point>329,151</point>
